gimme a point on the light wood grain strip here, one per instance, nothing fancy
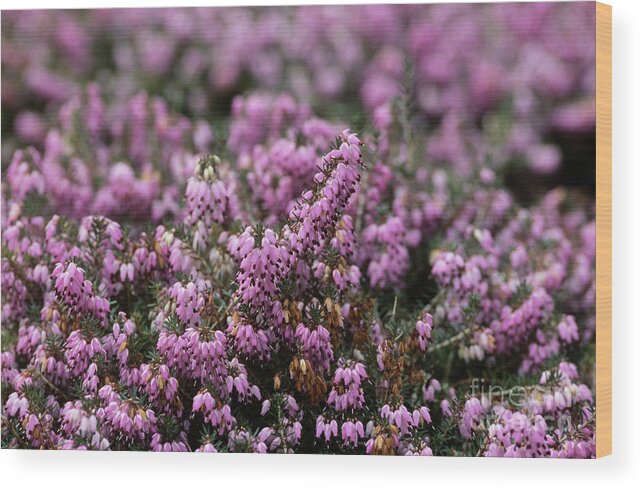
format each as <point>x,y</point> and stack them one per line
<point>603,229</point>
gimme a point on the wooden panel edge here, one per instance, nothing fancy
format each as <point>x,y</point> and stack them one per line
<point>603,229</point>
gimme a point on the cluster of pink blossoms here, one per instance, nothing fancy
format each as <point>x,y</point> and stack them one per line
<point>76,292</point>
<point>309,288</point>
<point>539,56</point>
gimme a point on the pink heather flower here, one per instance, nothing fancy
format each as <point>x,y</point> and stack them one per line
<point>519,257</point>
<point>240,440</point>
<point>347,392</point>
<point>79,352</point>
<point>445,406</point>
<point>237,380</point>
<point>470,416</point>
<point>279,173</point>
<point>157,382</point>
<point>158,445</point>
<point>206,196</point>
<point>431,389</point>
<point>568,370</point>
<point>351,431</point>
<point>334,186</point>
<point>17,405</point>
<point>422,449</point>
<point>265,407</point>
<point>403,418</point>
<point>78,293</point>
<point>568,330</point>
<point>423,328</point>
<point>77,423</point>
<point>127,419</point>
<point>117,343</point>
<point>23,178</point>
<point>249,341</point>
<point>206,448</point>
<point>316,345</point>
<point>517,435</point>
<point>389,265</point>
<point>189,303</point>
<point>447,266</point>
<point>544,159</point>
<point>487,176</point>
<point>514,325</point>
<point>271,258</point>
<point>286,434</point>
<point>29,338</point>
<point>325,428</point>
<point>214,412</point>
